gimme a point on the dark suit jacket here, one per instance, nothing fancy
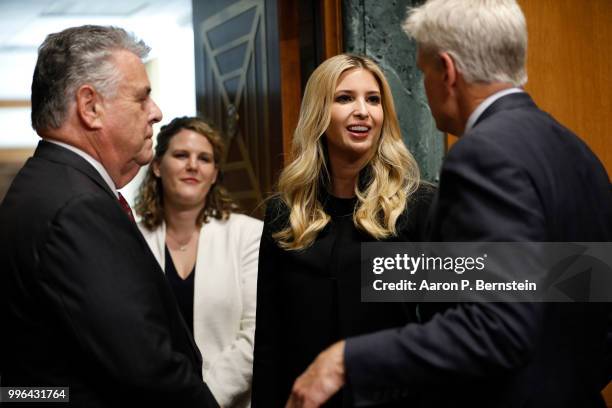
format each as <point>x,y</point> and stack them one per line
<point>518,175</point>
<point>83,301</point>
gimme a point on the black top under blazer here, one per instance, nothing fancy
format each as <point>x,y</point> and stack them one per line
<point>518,175</point>
<point>83,301</point>
<point>309,299</point>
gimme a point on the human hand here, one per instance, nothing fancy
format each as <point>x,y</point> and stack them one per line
<point>322,379</point>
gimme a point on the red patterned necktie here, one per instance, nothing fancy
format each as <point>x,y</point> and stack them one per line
<point>126,207</point>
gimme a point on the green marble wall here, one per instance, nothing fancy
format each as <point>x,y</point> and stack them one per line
<point>373,28</point>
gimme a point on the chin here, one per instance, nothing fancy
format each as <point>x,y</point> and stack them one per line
<point>190,201</point>
<point>360,149</point>
<point>144,158</point>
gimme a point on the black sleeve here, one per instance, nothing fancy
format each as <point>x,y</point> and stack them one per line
<point>109,296</point>
<point>483,196</point>
<point>412,224</point>
<point>268,386</point>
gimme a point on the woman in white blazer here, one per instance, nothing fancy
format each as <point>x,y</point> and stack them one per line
<point>209,253</point>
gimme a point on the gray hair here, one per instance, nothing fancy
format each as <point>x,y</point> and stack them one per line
<point>487,39</point>
<point>72,58</point>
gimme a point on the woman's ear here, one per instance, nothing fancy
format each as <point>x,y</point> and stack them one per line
<point>89,107</point>
<point>216,176</point>
<point>155,168</point>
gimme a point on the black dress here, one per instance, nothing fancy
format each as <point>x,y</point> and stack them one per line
<point>182,289</point>
<point>309,299</point>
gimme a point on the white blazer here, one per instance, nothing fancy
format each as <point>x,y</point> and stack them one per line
<point>225,289</point>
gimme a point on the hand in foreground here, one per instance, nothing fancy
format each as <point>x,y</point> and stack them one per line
<point>323,378</point>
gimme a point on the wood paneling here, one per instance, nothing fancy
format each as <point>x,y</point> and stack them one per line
<point>14,103</point>
<point>329,15</point>
<point>291,89</point>
<point>607,393</point>
<point>11,160</point>
<point>332,27</point>
<point>15,156</point>
<point>569,66</point>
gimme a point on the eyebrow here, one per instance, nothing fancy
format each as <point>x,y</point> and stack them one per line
<point>352,91</point>
<point>184,150</point>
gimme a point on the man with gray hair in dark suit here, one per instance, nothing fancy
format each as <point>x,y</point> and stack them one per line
<point>83,302</point>
<point>515,175</point>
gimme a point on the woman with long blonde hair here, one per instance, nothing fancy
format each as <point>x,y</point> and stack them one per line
<point>352,180</point>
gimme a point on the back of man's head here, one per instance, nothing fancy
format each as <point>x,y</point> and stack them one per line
<point>487,39</point>
<point>70,59</point>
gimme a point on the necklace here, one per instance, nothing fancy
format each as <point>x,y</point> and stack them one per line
<point>181,247</point>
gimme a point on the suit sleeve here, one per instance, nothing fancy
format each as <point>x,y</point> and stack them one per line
<point>483,196</point>
<point>230,374</point>
<point>97,273</point>
<point>267,377</point>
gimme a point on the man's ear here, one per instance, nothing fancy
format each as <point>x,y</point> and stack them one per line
<point>450,69</point>
<point>89,106</point>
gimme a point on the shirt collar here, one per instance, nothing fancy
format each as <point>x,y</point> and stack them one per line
<point>96,164</point>
<point>485,104</point>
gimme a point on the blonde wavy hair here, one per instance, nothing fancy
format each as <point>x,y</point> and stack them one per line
<point>150,199</point>
<point>391,176</point>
